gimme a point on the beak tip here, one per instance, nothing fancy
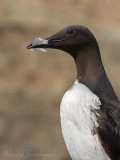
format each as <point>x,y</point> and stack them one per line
<point>29,46</point>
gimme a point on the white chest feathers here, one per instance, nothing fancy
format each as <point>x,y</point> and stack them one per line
<point>78,112</point>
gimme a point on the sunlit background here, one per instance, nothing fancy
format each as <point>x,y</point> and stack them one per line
<point>32,84</point>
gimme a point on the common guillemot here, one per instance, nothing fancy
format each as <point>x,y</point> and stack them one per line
<point>90,109</point>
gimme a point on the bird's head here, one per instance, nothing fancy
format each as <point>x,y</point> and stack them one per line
<point>70,39</point>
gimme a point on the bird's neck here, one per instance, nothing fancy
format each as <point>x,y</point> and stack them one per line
<point>90,72</point>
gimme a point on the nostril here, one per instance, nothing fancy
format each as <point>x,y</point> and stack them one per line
<point>54,41</point>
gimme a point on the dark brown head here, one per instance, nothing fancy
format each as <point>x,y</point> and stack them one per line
<point>70,39</point>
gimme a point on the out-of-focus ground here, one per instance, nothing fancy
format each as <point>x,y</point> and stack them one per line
<point>32,84</point>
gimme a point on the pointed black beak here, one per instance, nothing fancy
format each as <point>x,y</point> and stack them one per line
<point>44,43</point>
<point>38,43</point>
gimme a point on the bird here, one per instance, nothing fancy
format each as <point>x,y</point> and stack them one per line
<point>90,109</point>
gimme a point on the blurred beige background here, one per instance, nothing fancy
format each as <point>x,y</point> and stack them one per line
<point>32,84</point>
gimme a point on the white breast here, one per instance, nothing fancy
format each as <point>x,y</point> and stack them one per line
<point>78,121</point>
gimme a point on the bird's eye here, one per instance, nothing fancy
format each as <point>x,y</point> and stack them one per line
<point>70,31</point>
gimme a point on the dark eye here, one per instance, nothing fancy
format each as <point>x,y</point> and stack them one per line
<point>70,31</point>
